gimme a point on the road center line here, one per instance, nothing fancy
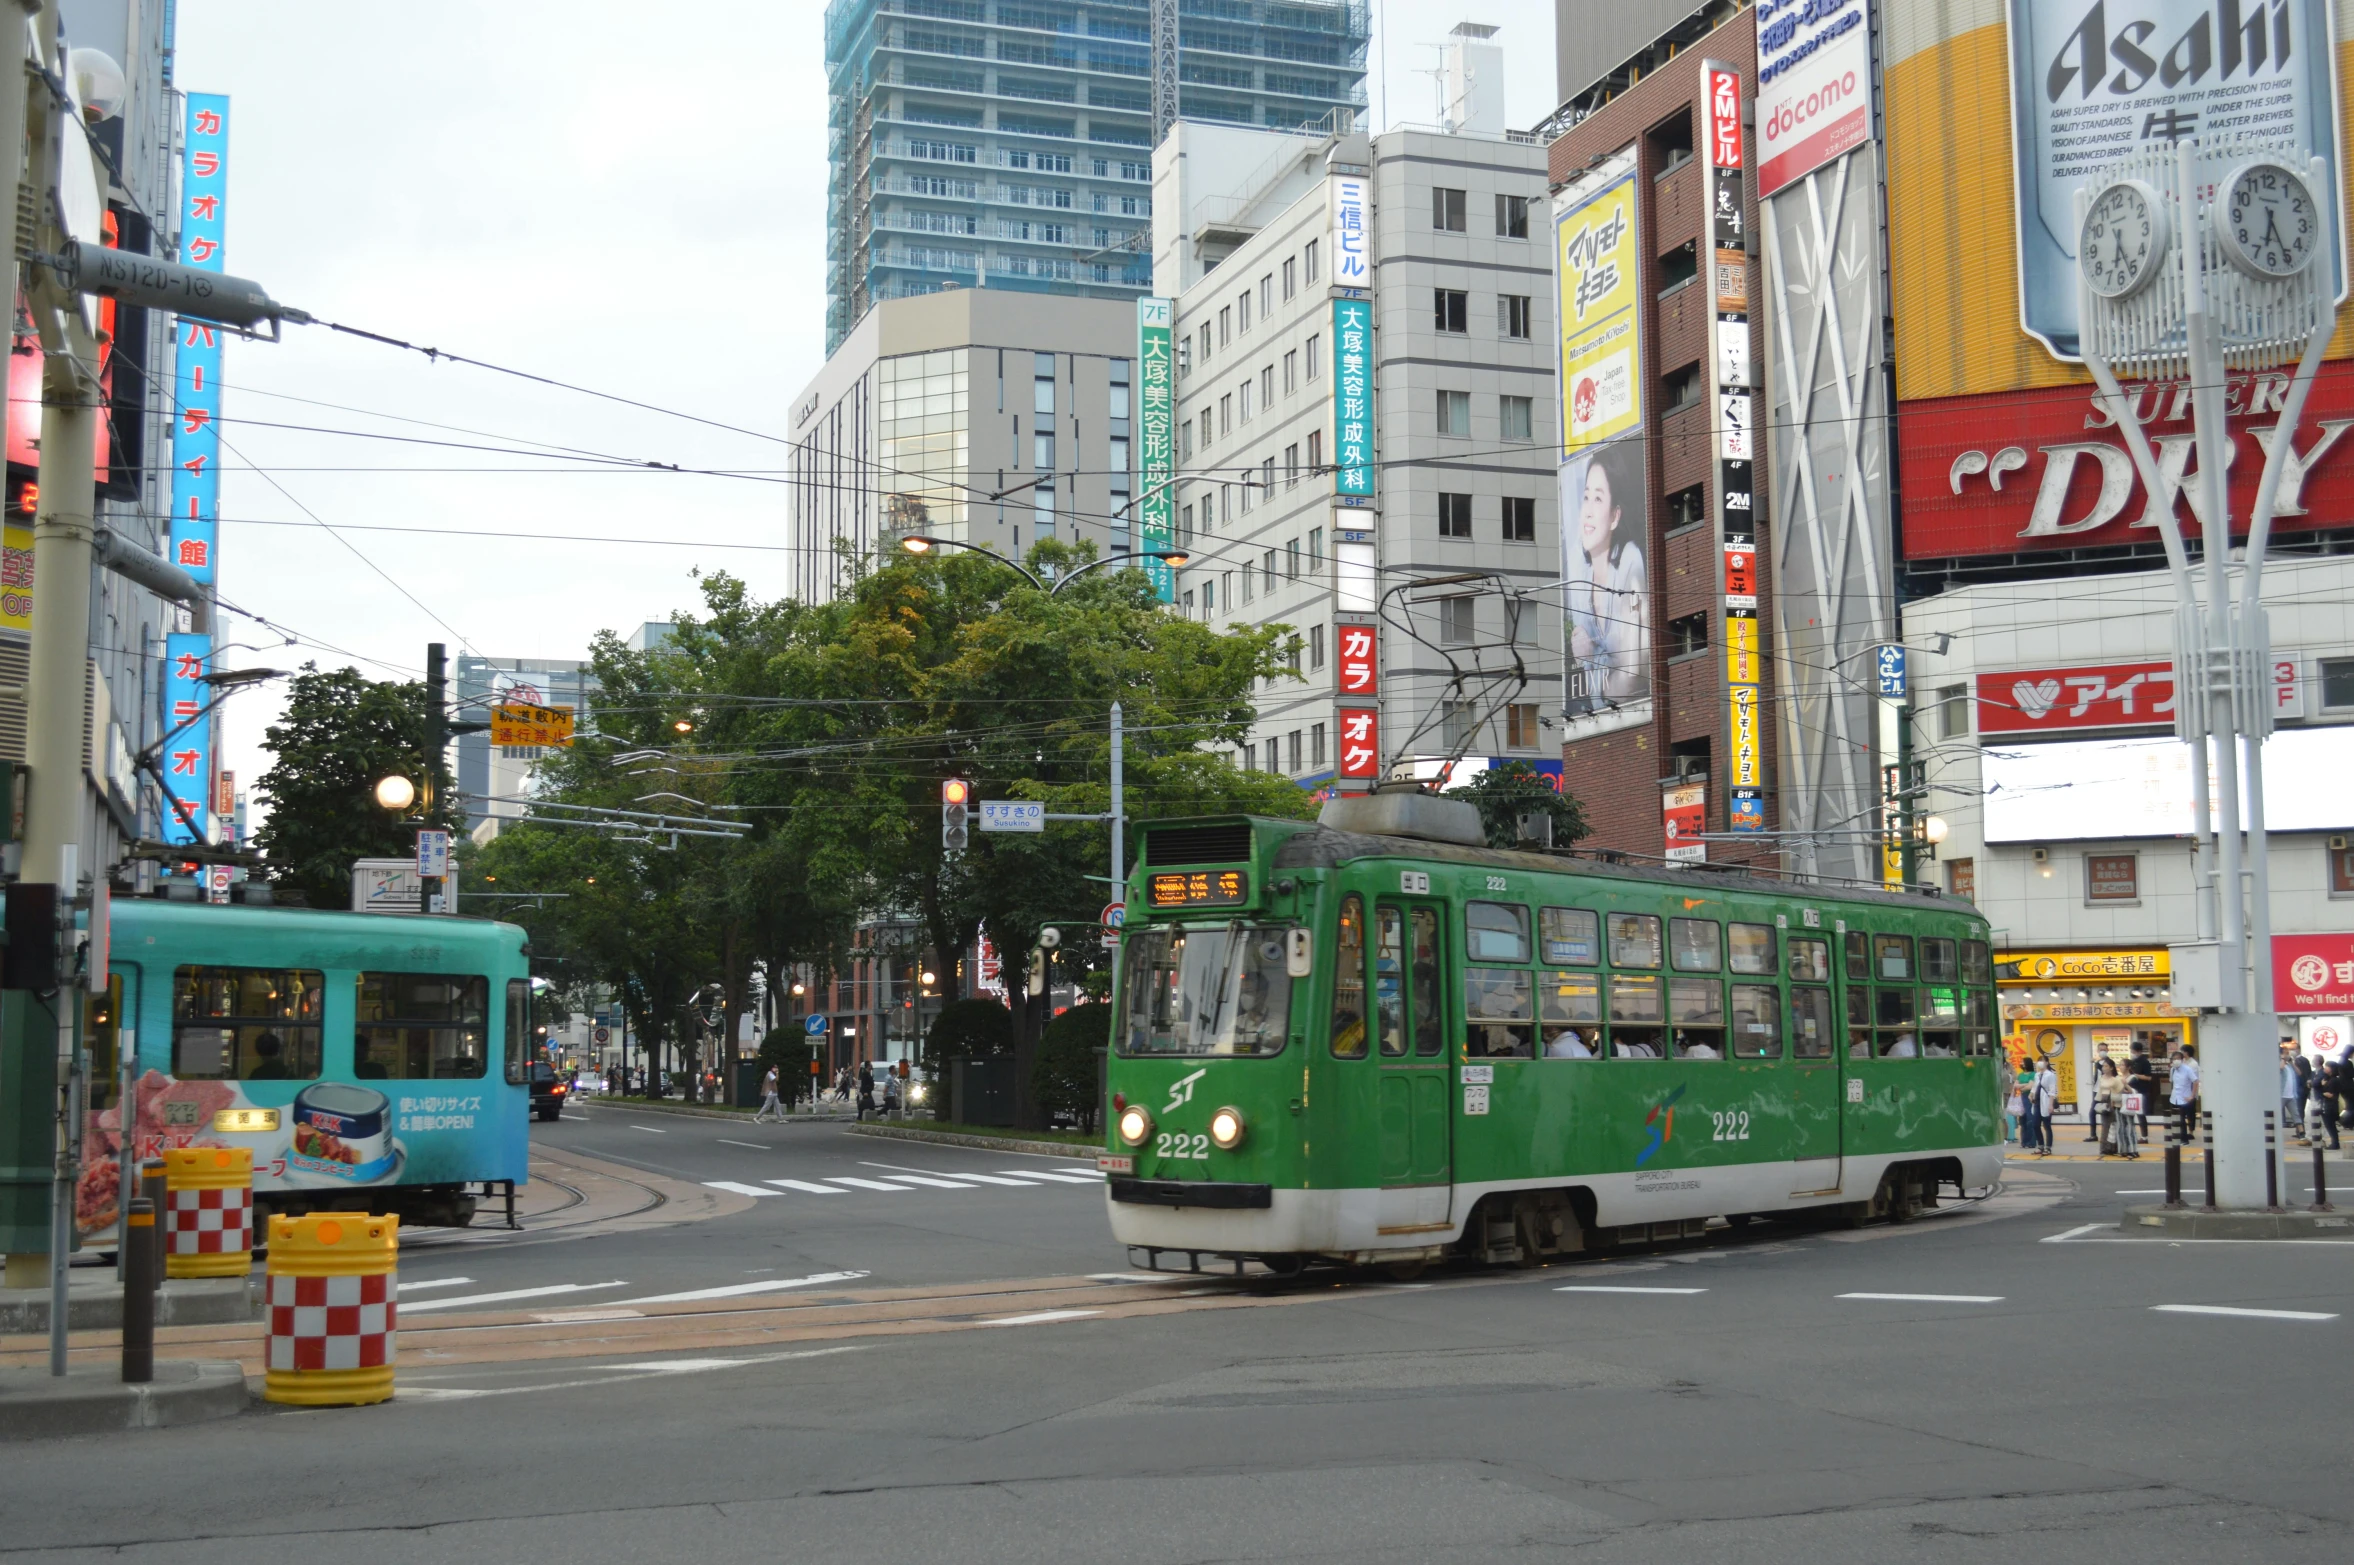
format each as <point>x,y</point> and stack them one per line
<point>1930,1298</point>
<point>756,1146</point>
<point>1592,1287</point>
<point>739,1290</point>
<point>651,1130</point>
<point>435,1282</point>
<point>2074,1232</point>
<point>2226,1309</point>
<point>512,1293</point>
<point>1041,1318</point>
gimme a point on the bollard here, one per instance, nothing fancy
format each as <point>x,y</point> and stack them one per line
<point>2271,1166</point>
<point>155,1192</point>
<point>332,1307</point>
<point>2320,1182</point>
<point>2207,1137</point>
<point>2173,1169</point>
<point>211,1212</point>
<point>139,1282</point>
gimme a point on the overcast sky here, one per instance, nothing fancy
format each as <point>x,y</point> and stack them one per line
<point>625,198</point>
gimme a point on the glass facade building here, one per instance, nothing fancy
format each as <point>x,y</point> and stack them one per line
<point>985,143</point>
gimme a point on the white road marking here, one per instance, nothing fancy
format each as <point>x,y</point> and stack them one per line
<point>1930,1298</point>
<point>1060,1176</point>
<point>512,1293</point>
<point>651,1130</point>
<point>757,1146</point>
<point>2074,1232</point>
<point>436,1282</point>
<point>1095,1174</point>
<point>864,1184</point>
<point>732,1185</point>
<point>1599,1288</point>
<point>575,1317</point>
<point>2225,1309</point>
<point>1002,1179</point>
<point>634,1371</point>
<point>806,1187</point>
<point>937,1184</point>
<point>1041,1318</point>
<point>901,1170</point>
<point>739,1290</point>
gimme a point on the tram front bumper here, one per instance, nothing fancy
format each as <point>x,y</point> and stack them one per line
<point>1192,1192</point>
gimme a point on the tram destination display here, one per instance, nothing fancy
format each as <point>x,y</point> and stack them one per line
<point>1200,888</point>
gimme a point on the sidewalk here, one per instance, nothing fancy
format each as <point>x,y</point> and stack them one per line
<point>2067,1150</point>
<point>711,1111</point>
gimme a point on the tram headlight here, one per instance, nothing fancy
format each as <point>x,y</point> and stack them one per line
<point>1135,1125</point>
<point>1226,1129</point>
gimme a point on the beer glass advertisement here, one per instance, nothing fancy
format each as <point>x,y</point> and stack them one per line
<point>1607,599</point>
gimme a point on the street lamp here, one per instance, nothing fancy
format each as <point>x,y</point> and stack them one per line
<point>1934,830</point>
<point>396,793</point>
<point>918,543</point>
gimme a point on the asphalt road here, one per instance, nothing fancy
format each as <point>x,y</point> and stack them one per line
<point>2037,1382</point>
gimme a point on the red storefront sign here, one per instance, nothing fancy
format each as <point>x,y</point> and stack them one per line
<point>1724,118</point>
<point>1360,666</point>
<point>2023,472</point>
<point>1360,742</point>
<point>2313,972</point>
<point>2057,700</point>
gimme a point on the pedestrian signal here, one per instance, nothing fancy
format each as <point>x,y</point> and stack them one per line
<point>955,814</point>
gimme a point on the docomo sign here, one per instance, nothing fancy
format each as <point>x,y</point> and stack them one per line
<point>1814,73</point>
<point>2313,972</point>
<point>2034,470</point>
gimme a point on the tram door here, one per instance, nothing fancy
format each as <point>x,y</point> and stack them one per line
<point>1411,1010</point>
<point>1816,1085</point>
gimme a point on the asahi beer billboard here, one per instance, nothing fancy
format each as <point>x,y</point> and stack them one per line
<point>2094,81</point>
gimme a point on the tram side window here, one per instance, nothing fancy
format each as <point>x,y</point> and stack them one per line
<point>1495,932</point>
<point>1858,956</point>
<point>1757,1022</point>
<point>1894,1022</point>
<point>1429,1031</point>
<point>1978,1023</point>
<point>1810,960</point>
<point>1753,949</point>
<point>1348,983</point>
<point>1938,965</point>
<point>1977,964</point>
<point>1859,1022</point>
<point>1810,1024</point>
<point>1893,958</point>
<point>1636,1011</point>
<point>1634,940</point>
<point>1571,935</point>
<point>1695,945</point>
<point>421,1027</point>
<point>1571,1015</point>
<point>1389,980</point>
<point>518,1031</point>
<point>1696,1009</point>
<point>1941,1015</point>
<point>247,1023</point>
<point>1499,1009</point>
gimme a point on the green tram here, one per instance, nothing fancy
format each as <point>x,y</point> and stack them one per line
<point>1382,1048</point>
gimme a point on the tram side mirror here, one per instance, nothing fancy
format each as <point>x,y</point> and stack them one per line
<point>1299,954</point>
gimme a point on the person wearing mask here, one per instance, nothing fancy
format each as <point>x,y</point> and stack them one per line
<point>2290,1118</point>
<point>2108,1090</point>
<point>2047,1100</point>
<point>2304,1069</point>
<point>2182,1091</point>
<point>2141,1077</point>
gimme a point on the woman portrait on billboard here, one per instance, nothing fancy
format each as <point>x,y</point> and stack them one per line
<point>1609,592</point>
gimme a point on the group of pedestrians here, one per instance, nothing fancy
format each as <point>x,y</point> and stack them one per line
<point>2316,1095</point>
<point>2122,1095</point>
<point>864,1080</point>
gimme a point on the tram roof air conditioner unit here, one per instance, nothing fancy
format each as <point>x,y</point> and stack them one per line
<point>1406,812</point>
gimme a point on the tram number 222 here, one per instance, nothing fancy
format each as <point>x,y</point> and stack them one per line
<point>1733,1125</point>
<point>1178,1144</point>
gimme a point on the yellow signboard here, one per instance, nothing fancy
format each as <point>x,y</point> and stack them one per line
<point>2036,967</point>
<point>1740,650</point>
<point>1747,767</point>
<point>1601,270</point>
<point>530,726</point>
<point>2094,1011</point>
<point>16,578</point>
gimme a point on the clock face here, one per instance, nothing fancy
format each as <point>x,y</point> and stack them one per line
<point>2123,239</point>
<point>2268,220</point>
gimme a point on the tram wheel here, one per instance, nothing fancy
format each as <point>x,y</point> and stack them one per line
<point>1404,1271</point>
<point>1284,1266</point>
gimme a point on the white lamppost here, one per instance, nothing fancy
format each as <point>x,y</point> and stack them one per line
<point>2171,286</point>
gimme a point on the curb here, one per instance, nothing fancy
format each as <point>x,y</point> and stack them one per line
<point>181,1301</point>
<point>35,1406</point>
<point>950,1138</point>
<point>2199,1223</point>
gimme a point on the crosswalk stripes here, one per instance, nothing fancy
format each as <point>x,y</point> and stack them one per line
<point>904,1181</point>
<point>802,1185</point>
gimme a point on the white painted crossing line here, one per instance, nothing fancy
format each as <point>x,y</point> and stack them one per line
<point>856,1183</point>
<point>1083,1172</point>
<point>1059,1175</point>
<point>512,1293</point>
<point>805,1187</point>
<point>1041,1318</point>
<point>757,1146</point>
<point>937,1184</point>
<point>735,1187</point>
<point>435,1282</point>
<point>1930,1298</point>
<point>1600,1288</point>
<point>1002,1179</point>
<point>740,1290</point>
<point>2226,1309</point>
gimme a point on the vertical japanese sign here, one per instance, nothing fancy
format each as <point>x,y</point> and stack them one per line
<point>187,745</point>
<point>1360,744</point>
<point>1360,665</point>
<point>1352,244</point>
<point>1156,506</point>
<point>1352,397</point>
<point>196,436</point>
<point>1683,810</point>
<point>1600,269</point>
<point>1727,250</point>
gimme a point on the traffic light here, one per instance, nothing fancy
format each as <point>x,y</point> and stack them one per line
<point>955,795</point>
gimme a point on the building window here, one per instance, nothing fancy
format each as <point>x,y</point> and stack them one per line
<point>1267,569</point>
<point>1246,401</point>
<point>1266,296</point>
<point>1205,342</point>
<point>1315,451</point>
<point>1315,357</point>
<point>1267,387</point>
<point>1316,661</point>
<point>1315,548</point>
<point>1680,389</point>
<point>1687,636</point>
<point>1458,621</point>
<point>1290,276</point>
<point>1242,312</point>
<point>1189,605</point>
<point>1520,519</point>
<point>1291,560</point>
<point>1226,503</point>
<point>1210,593</point>
<point>1454,516</point>
<point>1291,742</point>
<point>1314,271</point>
<point>1246,586</point>
<point>1687,508</point>
<point>1511,217</point>
<point>2337,683</point>
<point>1457,720</point>
<point>1516,417</point>
<point>1226,414</point>
<point>1953,712</point>
<point>1450,310</point>
<point>1226,325</point>
<point>1243,498</point>
<point>1291,464</point>
<point>1446,210</point>
<point>1520,726</point>
<point>1267,475</point>
<point>1961,878</point>
<point>1043,379</point>
<point>1207,432</point>
<point>2112,877</point>
<point>1185,523</point>
<point>1512,315</point>
<point>1679,266</point>
<point>1526,617</point>
<point>1316,748</point>
<point>1454,412</point>
<point>1291,372</point>
<point>1185,441</point>
<point>1042,452</point>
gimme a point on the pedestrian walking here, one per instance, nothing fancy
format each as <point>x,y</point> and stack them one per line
<point>866,1090</point>
<point>2304,1069</point>
<point>2289,1116</point>
<point>2013,1107</point>
<point>2047,1100</point>
<point>2108,1094</point>
<point>2182,1091</point>
<point>2141,1081</point>
<point>768,1099</point>
<point>2023,1089</point>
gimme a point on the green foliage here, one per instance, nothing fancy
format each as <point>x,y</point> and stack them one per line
<point>1063,1079</point>
<point>979,1028</point>
<point>341,732</point>
<point>1503,794</point>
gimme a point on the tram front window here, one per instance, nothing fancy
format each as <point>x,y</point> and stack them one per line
<point>1208,989</point>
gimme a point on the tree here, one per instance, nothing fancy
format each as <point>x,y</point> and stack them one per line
<point>1064,1079</point>
<point>1503,794</point>
<point>978,1029</point>
<point>340,734</point>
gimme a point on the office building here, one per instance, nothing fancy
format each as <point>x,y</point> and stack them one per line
<point>985,143</point>
<point>495,780</point>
